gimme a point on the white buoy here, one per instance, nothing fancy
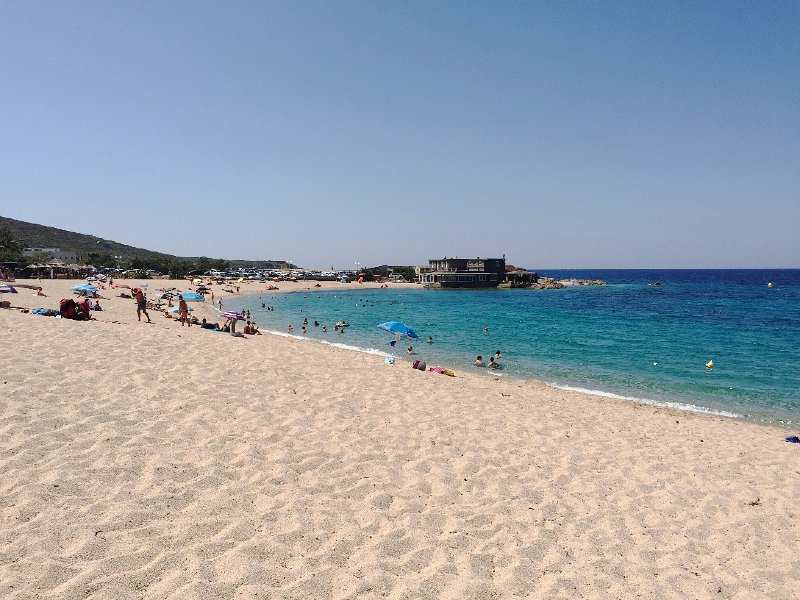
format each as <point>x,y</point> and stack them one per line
<point>769,285</point>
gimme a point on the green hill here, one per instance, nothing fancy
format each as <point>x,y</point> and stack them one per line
<point>102,253</point>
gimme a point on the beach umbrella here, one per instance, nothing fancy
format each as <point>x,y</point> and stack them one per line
<point>193,297</point>
<point>234,315</point>
<point>7,289</point>
<point>85,288</point>
<point>174,309</point>
<point>399,328</point>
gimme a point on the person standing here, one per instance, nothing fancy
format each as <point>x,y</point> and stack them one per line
<point>141,304</point>
<point>183,311</point>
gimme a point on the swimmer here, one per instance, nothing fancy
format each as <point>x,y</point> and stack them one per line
<point>479,362</point>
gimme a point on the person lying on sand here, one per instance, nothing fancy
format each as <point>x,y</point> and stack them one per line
<point>7,304</point>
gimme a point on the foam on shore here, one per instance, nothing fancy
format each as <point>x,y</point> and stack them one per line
<point>648,401</point>
<point>343,346</point>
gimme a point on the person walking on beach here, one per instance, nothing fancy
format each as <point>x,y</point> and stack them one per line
<point>183,312</point>
<point>141,304</point>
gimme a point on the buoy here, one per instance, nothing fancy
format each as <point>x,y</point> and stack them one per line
<point>710,364</point>
<point>769,285</point>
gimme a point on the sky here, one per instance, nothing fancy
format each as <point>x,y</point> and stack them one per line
<point>561,134</point>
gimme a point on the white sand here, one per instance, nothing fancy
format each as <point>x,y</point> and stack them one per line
<point>154,461</point>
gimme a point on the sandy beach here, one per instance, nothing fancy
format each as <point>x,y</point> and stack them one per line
<point>159,461</point>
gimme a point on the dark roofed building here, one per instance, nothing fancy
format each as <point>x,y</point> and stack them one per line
<point>463,272</point>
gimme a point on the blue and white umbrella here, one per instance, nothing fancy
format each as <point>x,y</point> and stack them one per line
<point>399,328</point>
<point>7,289</point>
<point>85,288</point>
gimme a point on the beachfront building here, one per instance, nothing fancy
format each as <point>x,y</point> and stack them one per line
<point>53,254</point>
<point>463,272</point>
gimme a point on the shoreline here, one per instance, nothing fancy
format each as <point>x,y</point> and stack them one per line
<point>682,406</point>
<point>163,461</point>
<point>209,310</point>
<point>206,308</point>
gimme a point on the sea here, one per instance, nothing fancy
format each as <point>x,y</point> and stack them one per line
<point>646,336</point>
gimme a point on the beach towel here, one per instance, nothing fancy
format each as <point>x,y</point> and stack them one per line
<point>443,371</point>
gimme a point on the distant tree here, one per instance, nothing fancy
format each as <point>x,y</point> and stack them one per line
<point>407,273</point>
<point>203,263</point>
<point>106,260</point>
<point>178,269</point>
<point>35,259</point>
<point>10,249</point>
<point>138,264</point>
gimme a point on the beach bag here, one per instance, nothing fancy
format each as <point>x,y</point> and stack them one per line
<point>67,308</point>
<point>419,364</point>
<point>83,310</point>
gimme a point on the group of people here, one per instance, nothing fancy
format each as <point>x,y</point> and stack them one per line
<point>494,361</point>
<point>316,324</point>
<point>183,310</point>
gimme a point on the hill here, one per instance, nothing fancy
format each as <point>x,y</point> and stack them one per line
<point>102,252</point>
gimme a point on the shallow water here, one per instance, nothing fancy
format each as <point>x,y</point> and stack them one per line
<point>628,339</point>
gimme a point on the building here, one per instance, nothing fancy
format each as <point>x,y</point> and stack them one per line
<point>463,272</point>
<point>68,257</point>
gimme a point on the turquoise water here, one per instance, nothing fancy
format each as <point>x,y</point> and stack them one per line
<point>626,339</point>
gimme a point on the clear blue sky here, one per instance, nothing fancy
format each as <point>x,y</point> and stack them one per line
<point>563,134</point>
